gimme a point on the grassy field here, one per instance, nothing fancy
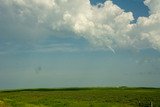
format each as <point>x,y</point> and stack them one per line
<point>81,97</point>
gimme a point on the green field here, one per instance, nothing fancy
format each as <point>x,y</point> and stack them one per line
<point>81,97</point>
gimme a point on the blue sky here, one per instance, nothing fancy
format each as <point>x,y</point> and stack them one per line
<point>136,6</point>
<point>36,51</point>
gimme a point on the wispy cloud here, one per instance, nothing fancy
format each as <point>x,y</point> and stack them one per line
<point>40,48</point>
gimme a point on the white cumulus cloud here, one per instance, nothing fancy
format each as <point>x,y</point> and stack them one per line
<point>148,28</point>
<point>105,25</point>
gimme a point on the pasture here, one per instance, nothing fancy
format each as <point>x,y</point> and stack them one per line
<point>81,97</point>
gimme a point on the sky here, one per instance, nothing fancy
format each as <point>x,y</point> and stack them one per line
<point>79,43</point>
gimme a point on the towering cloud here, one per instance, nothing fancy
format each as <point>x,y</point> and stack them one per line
<point>104,25</point>
<point>149,27</point>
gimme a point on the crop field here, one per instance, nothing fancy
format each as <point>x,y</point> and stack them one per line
<point>81,97</point>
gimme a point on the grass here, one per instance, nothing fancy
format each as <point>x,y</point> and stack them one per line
<point>81,97</point>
